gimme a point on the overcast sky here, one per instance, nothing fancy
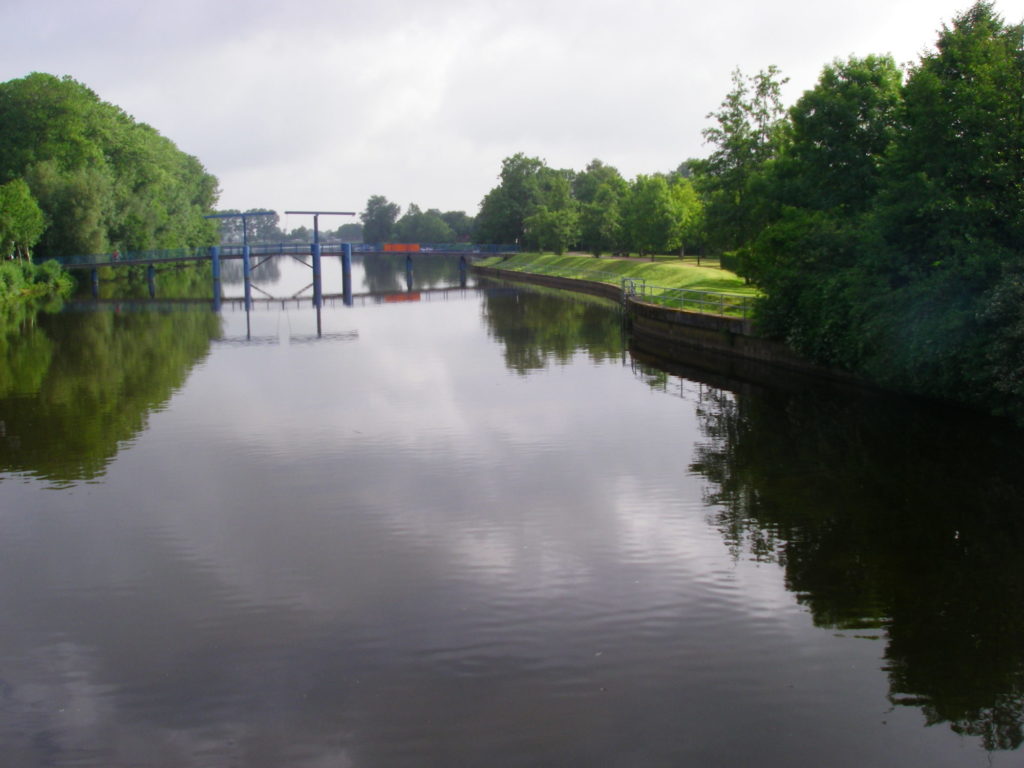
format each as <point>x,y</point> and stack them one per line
<point>318,104</point>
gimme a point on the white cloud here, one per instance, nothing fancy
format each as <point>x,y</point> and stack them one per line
<point>320,103</point>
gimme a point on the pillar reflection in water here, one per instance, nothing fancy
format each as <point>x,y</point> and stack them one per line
<point>346,273</point>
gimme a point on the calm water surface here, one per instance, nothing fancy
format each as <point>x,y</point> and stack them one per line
<point>476,530</point>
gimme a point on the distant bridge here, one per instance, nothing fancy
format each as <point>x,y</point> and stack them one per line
<point>236,251</point>
<point>216,254</point>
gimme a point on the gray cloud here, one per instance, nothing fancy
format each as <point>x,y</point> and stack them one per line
<point>322,103</point>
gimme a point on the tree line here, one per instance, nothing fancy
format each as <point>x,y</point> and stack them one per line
<point>267,229</point>
<point>596,210</point>
<point>79,175</point>
<point>882,215</point>
<point>541,208</point>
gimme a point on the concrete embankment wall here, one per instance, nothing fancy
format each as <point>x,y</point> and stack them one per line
<point>591,287</point>
<point>670,333</point>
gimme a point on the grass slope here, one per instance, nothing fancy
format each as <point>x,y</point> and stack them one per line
<point>665,274</point>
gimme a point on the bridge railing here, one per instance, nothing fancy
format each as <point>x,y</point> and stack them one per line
<point>268,249</point>
<point>300,249</point>
<point>705,302</point>
<point>128,257</point>
<point>483,248</point>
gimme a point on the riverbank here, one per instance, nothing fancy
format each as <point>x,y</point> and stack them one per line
<point>674,274</point>
<point>665,331</point>
<point>23,280</point>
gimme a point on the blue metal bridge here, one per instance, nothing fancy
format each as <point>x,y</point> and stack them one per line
<point>246,252</point>
<point>233,251</point>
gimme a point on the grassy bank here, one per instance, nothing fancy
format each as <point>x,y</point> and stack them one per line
<point>20,280</point>
<point>663,273</point>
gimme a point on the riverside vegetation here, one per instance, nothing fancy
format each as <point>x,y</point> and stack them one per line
<point>79,175</point>
<point>880,217</point>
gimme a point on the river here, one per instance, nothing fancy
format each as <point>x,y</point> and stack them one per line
<point>471,527</point>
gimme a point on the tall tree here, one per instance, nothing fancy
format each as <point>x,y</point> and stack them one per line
<point>842,131</point>
<point>505,208</point>
<point>815,198</point>
<point>654,217</point>
<point>379,219</point>
<point>600,190</point>
<point>748,131</point>
<point>21,220</point>
<point>418,226</point>
<point>601,220</point>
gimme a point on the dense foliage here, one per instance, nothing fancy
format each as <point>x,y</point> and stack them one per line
<point>541,208</point>
<point>101,180</point>
<point>884,217</point>
<point>22,280</point>
<point>383,222</point>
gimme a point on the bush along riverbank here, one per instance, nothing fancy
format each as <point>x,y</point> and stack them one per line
<point>23,280</point>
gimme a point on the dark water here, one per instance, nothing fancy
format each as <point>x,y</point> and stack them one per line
<point>475,530</point>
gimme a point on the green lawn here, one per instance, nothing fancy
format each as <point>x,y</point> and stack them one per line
<point>669,272</point>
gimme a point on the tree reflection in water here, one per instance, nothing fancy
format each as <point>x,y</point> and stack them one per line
<point>891,518</point>
<point>72,393</point>
<point>538,327</point>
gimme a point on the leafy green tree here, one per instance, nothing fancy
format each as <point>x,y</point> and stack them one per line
<point>533,206</point>
<point>350,233</point>
<point>816,196</point>
<point>76,202</point>
<point>379,219</point>
<point>600,190</point>
<point>950,215</point>
<point>551,230</point>
<point>601,220</point>
<point>553,224</point>
<point>956,173</point>
<point>101,179</point>
<point>461,223</point>
<point>21,221</point>
<point>585,185</point>
<point>655,216</point>
<point>505,208</point>
<point>418,226</point>
<point>748,131</point>
<point>689,211</point>
<point>842,131</point>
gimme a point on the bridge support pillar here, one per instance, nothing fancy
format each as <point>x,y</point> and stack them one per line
<point>151,280</point>
<point>346,273</point>
<point>408,272</point>
<point>247,275</point>
<point>318,288</point>
<point>463,270</point>
<point>94,274</point>
<point>215,268</point>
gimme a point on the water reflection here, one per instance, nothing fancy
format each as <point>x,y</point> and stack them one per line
<point>886,515</point>
<point>390,272</point>
<point>71,393</point>
<point>398,549</point>
<point>538,327</point>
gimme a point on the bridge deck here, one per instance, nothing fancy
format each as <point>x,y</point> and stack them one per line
<point>232,252</point>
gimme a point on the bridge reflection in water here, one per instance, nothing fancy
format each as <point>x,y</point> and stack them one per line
<point>252,305</point>
<point>246,253</point>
